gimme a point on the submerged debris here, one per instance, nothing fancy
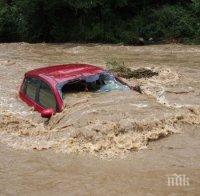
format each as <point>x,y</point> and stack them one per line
<point>143,73</point>
<point>125,72</point>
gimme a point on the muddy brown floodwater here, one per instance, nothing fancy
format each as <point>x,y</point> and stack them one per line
<point>117,143</point>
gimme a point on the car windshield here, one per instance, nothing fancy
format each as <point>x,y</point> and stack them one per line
<point>103,82</point>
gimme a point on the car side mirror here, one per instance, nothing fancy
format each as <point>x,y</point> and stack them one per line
<point>47,113</point>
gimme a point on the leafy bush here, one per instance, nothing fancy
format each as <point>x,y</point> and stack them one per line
<point>120,21</point>
<point>8,23</point>
<point>172,22</point>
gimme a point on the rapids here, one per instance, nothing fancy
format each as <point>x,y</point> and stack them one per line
<point>137,139</point>
<point>104,124</point>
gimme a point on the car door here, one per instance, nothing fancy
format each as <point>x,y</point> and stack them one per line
<point>45,97</point>
<point>39,94</point>
<point>30,89</point>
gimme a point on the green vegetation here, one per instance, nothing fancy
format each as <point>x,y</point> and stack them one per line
<point>113,21</point>
<point>121,70</point>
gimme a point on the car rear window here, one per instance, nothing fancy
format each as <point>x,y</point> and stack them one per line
<point>46,97</point>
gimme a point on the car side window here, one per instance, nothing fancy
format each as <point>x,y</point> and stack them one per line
<point>46,97</point>
<point>31,87</point>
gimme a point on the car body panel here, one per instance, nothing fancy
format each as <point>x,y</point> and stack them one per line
<point>55,75</point>
<point>61,73</point>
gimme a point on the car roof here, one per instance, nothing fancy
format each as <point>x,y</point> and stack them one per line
<point>63,73</point>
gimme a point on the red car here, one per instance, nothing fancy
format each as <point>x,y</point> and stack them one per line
<point>45,88</point>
